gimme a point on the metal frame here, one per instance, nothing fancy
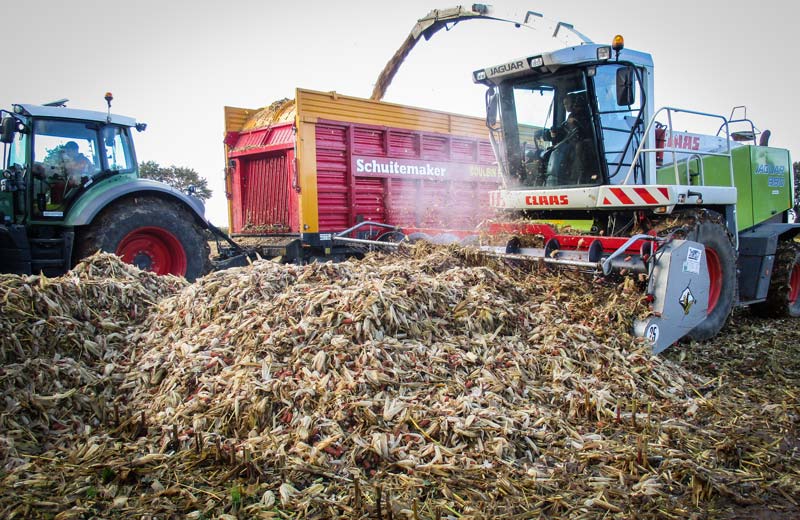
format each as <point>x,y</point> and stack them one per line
<point>341,236</point>
<point>674,151</point>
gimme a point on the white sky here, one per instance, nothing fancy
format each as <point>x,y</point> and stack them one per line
<point>174,64</point>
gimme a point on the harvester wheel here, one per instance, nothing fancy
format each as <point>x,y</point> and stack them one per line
<point>709,229</point>
<point>783,297</point>
<point>151,233</point>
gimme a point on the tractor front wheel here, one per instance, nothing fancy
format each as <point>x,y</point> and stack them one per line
<point>783,297</point>
<point>151,233</point>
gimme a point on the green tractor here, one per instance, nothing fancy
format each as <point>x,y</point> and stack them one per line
<point>70,186</point>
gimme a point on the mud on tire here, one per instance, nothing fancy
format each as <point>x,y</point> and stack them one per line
<point>153,233</point>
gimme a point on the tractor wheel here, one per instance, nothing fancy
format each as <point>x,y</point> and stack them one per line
<point>709,229</point>
<point>151,233</point>
<point>783,297</point>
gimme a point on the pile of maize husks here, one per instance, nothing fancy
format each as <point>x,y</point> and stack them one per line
<point>63,349</point>
<point>431,383</point>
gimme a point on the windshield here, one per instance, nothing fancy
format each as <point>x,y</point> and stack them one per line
<point>549,131</point>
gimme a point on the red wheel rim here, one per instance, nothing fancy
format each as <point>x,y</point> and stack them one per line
<point>153,249</point>
<point>714,278</point>
<point>794,284</point>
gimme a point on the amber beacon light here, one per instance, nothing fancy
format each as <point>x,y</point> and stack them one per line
<point>617,44</point>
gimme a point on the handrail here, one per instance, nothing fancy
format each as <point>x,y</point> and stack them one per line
<point>674,151</point>
<point>699,169</point>
<point>751,136</point>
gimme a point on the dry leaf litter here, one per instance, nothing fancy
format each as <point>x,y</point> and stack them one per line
<point>433,383</point>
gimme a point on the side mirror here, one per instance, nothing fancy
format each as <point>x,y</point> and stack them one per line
<point>491,107</point>
<point>626,95</point>
<point>7,129</point>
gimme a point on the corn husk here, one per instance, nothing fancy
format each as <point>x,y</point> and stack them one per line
<point>64,347</point>
<point>432,383</point>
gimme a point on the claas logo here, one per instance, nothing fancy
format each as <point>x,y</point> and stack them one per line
<point>546,200</point>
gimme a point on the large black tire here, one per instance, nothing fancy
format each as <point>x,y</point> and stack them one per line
<point>708,228</point>
<point>783,299</point>
<point>152,233</point>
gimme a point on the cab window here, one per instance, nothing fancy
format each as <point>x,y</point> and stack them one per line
<point>118,149</point>
<point>17,151</point>
<point>65,156</point>
<point>621,129</point>
<point>550,132</point>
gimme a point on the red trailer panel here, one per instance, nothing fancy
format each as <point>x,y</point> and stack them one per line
<point>358,160</point>
<point>407,178</point>
<point>261,168</point>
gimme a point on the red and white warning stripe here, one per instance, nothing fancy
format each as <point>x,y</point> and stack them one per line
<point>634,196</point>
<point>588,198</point>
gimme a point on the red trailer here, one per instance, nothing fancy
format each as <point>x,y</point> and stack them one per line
<point>307,169</point>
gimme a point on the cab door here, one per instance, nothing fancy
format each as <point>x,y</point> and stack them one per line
<point>622,128</point>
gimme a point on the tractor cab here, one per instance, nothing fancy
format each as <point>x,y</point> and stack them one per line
<point>570,118</point>
<point>54,154</point>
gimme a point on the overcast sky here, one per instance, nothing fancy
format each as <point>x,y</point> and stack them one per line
<point>175,64</point>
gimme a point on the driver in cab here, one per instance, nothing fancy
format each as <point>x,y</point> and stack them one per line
<point>569,162</point>
<point>577,119</point>
<point>63,171</point>
<point>76,164</point>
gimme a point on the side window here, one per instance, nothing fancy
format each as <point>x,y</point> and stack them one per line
<point>65,156</point>
<point>118,150</point>
<point>18,149</point>
<point>534,111</point>
<point>621,136</point>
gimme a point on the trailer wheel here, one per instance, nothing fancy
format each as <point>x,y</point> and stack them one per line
<point>783,297</point>
<point>710,231</point>
<point>151,233</point>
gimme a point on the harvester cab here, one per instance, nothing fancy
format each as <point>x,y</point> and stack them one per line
<point>579,142</point>
<point>70,186</point>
